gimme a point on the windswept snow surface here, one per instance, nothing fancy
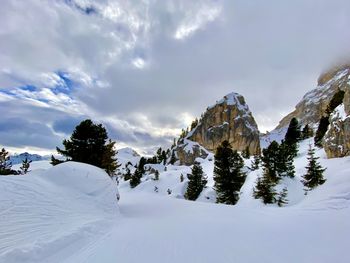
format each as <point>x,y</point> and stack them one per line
<point>48,216</point>
<point>157,227</point>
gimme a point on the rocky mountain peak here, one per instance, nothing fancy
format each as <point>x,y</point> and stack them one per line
<point>314,103</point>
<point>229,119</point>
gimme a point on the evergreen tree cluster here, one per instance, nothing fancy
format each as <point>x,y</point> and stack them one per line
<point>277,160</point>
<point>197,181</point>
<point>135,178</point>
<point>228,174</point>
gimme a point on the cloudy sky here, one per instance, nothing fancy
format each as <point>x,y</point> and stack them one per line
<point>146,68</point>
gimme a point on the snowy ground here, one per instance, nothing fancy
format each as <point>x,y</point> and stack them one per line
<point>44,219</point>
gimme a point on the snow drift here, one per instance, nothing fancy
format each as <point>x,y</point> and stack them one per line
<point>44,212</point>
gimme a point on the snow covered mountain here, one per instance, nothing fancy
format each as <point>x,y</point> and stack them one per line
<point>228,119</point>
<point>314,103</point>
<point>18,158</point>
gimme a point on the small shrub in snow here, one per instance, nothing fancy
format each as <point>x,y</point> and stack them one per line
<point>25,166</point>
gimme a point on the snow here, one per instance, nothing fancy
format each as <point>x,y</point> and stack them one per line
<point>275,135</point>
<point>49,218</point>
<point>233,99</point>
<point>127,157</point>
<point>61,208</point>
<point>339,113</point>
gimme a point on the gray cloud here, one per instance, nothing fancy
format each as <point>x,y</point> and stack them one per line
<point>144,69</point>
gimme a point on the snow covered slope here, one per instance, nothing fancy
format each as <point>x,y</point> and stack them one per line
<point>49,221</point>
<point>62,208</point>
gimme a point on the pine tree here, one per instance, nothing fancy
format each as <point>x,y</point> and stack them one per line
<point>141,165</point>
<point>109,162</point>
<point>285,161</point>
<point>196,183</point>
<point>246,153</point>
<point>174,144</point>
<point>264,190</point>
<point>307,132</point>
<point>292,137</point>
<point>135,179</point>
<point>88,144</point>
<point>5,164</point>
<point>172,158</point>
<point>164,157</point>
<point>228,175</point>
<point>314,173</point>
<point>321,130</point>
<point>336,100</point>
<point>271,162</point>
<point>156,175</point>
<point>256,162</point>
<point>282,197</point>
<point>159,155</point>
<point>293,134</point>
<point>55,161</point>
<point>25,166</point>
<point>127,175</point>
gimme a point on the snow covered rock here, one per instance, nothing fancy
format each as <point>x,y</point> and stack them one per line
<point>336,141</point>
<point>314,103</point>
<point>229,119</point>
<point>189,151</point>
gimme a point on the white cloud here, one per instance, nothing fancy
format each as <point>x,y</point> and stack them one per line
<point>196,19</point>
<point>146,68</point>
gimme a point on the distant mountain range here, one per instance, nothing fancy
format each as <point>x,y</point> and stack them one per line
<point>18,158</point>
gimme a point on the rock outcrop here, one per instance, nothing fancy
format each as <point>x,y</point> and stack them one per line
<point>336,141</point>
<point>313,105</point>
<point>229,119</point>
<point>188,151</point>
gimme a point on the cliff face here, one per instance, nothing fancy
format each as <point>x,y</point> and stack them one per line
<point>336,141</point>
<point>229,119</point>
<point>313,105</point>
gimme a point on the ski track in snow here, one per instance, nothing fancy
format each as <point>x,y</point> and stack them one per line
<point>48,219</point>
